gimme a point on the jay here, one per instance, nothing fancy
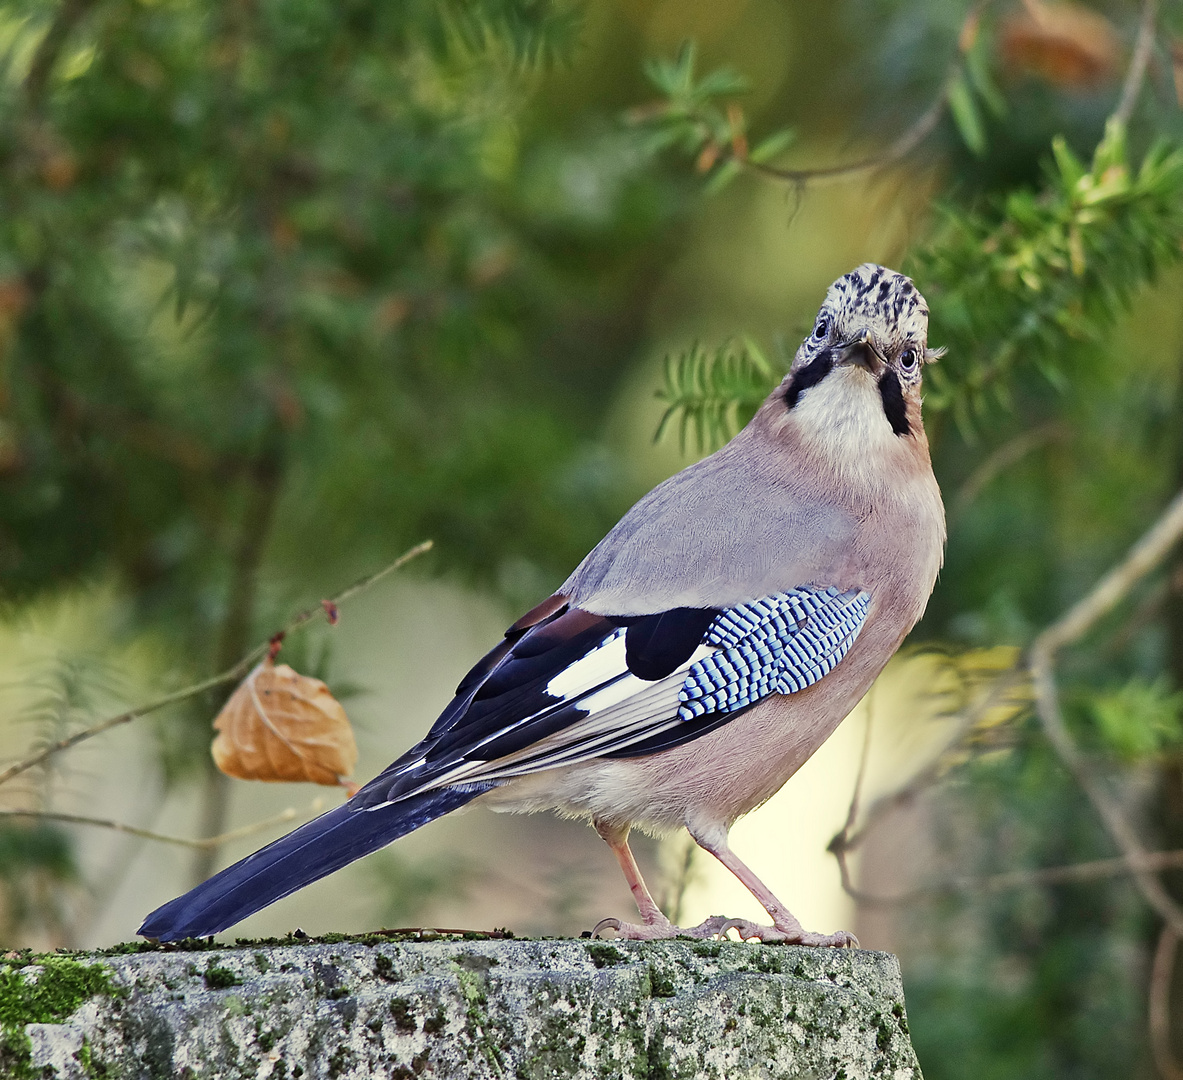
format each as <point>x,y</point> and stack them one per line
<point>703,650</point>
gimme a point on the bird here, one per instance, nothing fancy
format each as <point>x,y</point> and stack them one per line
<point>701,652</point>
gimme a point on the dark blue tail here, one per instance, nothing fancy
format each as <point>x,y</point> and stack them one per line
<point>306,854</point>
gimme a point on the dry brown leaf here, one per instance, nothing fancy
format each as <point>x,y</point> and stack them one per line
<point>281,725</point>
<point>1068,44</point>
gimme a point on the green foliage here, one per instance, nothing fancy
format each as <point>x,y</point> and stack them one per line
<point>533,31</point>
<point>286,288</point>
<point>1024,284</point>
<point>282,251</point>
<point>696,118</point>
<point>713,393</point>
<point>966,115</point>
<point>1036,982</point>
<point>1140,719</point>
<point>1036,276</point>
<point>972,88</point>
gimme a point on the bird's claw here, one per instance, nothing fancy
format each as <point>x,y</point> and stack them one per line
<point>717,927</point>
<point>749,931</point>
<point>772,935</point>
<point>654,931</point>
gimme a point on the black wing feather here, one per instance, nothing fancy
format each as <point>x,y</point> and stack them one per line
<point>509,684</point>
<point>657,645</point>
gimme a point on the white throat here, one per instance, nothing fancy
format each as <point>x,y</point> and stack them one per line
<point>842,416</point>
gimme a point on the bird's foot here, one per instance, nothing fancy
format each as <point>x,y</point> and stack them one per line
<point>657,930</point>
<point>790,934</point>
<point>718,926</point>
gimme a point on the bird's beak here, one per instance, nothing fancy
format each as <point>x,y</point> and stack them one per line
<point>865,351</point>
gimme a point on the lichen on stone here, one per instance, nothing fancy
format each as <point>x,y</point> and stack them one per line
<point>475,1008</point>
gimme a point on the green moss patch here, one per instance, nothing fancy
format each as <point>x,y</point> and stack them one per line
<point>603,955</point>
<point>51,990</point>
<point>41,992</point>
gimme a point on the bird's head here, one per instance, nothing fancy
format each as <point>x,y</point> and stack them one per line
<point>857,375</point>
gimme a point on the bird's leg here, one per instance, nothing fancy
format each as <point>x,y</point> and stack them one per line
<point>786,928</point>
<point>654,924</point>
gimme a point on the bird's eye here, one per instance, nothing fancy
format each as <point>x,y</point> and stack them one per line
<point>822,330</point>
<point>909,358</point>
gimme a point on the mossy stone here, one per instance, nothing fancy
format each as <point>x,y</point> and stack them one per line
<point>456,1007</point>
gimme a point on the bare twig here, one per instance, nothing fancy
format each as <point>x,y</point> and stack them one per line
<point>1162,974</point>
<point>147,834</point>
<point>968,719</point>
<point>230,675</point>
<point>920,130</point>
<point>1144,556</point>
<point>898,150</point>
<point>1121,832</point>
<point>1096,870</point>
<point>1136,73</point>
<point>1003,457</point>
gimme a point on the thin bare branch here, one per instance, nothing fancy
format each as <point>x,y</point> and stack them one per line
<point>1139,62</point>
<point>968,719</point>
<point>147,834</point>
<point>1149,551</point>
<point>1144,556</point>
<point>1003,457</point>
<point>897,151</point>
<point>1010,880</point>
<point>1122,833</point>
<point>920,130</point>
<point>232,674</point>
<point>1162,974</point>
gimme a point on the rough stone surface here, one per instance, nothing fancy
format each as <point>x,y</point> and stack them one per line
<point>455,1008</point>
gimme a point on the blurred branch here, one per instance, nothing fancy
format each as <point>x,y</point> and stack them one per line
<point>1144,556</point>
<point>1098,869</point>
<point>1120,831</point>
<point>969,718</point>
<point>1162,972</point>
<point>1136,73</point>
<point>264,480</point>
<point>1001,458</point>
<point>920,130</point>
<point>68,16</point>
<point>898,150</point>
<point>205,843</point>
<point>1150,550</point>
<point>237,671</point>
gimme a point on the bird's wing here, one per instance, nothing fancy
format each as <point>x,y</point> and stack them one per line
<point>575,686</point>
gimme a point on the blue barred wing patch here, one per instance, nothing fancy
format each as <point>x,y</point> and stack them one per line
<point>776,645</point>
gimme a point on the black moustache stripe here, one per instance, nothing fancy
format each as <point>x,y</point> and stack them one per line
<point>810,375</point>
<point>893,403</point>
